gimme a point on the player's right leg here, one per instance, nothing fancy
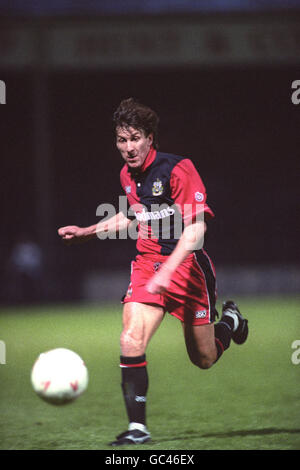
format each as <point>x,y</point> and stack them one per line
<point>140,321</point>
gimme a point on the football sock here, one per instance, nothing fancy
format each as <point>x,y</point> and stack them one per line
<point>223,332</point>
<point>134,387</point>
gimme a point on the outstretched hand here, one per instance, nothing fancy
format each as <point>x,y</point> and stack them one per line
<point>71,234</point>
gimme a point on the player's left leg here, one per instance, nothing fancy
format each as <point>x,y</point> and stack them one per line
<point>200,344</point>
<point>206,343</point>
<point>206,340</point>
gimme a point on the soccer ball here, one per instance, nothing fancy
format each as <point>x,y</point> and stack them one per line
<point>59,376</point>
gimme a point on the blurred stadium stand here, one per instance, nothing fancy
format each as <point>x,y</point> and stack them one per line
<point>220,79</point>
<point>76,7</point>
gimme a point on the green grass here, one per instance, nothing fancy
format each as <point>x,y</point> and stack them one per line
<point>249,400</point>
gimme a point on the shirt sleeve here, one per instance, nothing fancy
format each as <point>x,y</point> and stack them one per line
<point>188,192</point>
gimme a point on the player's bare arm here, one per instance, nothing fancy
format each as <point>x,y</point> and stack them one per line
<point>190,240</point>
<point>72,234</point>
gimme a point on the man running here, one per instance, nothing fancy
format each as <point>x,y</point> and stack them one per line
<point>171,272</point>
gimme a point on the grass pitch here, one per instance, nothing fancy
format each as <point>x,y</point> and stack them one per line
<point>250,399</point>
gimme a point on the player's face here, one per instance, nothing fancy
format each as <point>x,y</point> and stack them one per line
<point>133,145</point>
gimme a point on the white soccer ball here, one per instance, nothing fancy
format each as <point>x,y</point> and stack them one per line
<point>59,376</point>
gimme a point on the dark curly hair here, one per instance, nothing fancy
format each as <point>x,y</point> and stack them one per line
<point>131,113</point>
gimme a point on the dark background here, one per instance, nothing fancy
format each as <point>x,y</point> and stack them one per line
<point>237,124</point>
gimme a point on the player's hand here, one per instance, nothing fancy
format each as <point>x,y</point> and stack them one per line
<point>72,234</point>
<point>160,281</point>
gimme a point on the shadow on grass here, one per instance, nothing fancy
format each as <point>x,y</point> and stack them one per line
<point>252,432</point>
<point>237,433</point>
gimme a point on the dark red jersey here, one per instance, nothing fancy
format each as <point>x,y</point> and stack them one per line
<point>164,195</point>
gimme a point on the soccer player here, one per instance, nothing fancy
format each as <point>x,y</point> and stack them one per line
<point>171,272</point>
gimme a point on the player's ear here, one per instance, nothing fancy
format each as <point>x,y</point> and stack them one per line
<point>150,138</point>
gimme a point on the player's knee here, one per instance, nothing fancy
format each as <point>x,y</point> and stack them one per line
<point>203,361</point>
<point>131,344</point>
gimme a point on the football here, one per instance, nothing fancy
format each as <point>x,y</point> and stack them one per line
<point>59,376</point>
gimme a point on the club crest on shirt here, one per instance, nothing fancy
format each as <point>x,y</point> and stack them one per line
<point>128,189</point>
<point>157,188</point>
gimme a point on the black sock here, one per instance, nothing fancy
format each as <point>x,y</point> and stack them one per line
<point>134,387</point>
<point>223,332</point>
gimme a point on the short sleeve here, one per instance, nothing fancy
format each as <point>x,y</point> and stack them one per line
<point>188,192</point>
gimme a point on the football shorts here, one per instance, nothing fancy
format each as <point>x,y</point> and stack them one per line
<point>191,296</point>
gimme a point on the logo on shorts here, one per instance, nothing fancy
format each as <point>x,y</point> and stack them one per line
<point>200,314</point>
<point>157,188</point>
<point>128,189</point>
<point>156,266</point>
